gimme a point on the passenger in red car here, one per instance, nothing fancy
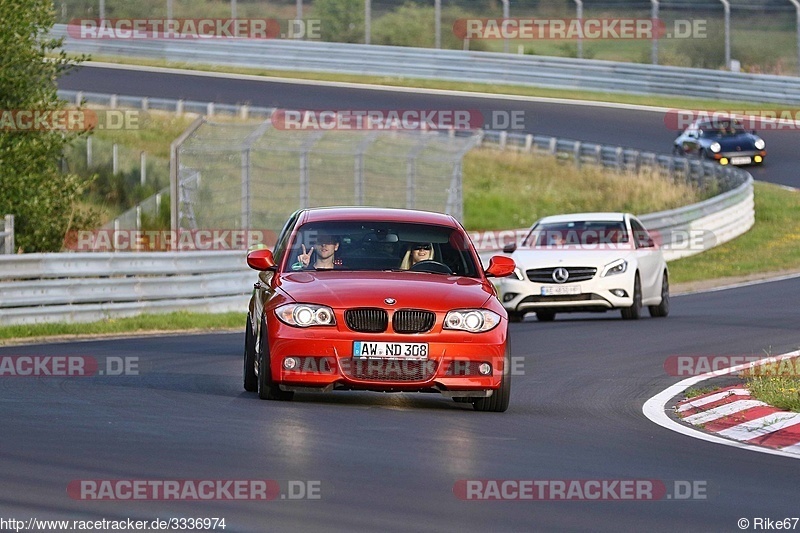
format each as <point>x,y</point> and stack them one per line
<point>416,253</point>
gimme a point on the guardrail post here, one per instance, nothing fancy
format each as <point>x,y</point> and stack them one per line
<point>78,98</point>
<point>528,142</point>
<point>598,154</point>
<point>553,145</point>
<point>142,168</point>
<point>620,159</point>
<point>503,139</point>
<point>89,151</point>
<point>145,103</point>
<point>576,149</point>
<point>112,102</point>
<point>210,109</point>
<point>8,240</point>
<point>115,159</point>
<point>244,111</point>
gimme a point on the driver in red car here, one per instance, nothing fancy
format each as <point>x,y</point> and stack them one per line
<point>416,253</point>
<point>324,253</point>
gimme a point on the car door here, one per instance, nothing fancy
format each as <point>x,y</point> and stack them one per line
<point>648,256</point>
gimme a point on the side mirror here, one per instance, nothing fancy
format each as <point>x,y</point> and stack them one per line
<point>260,260</point>
<point>500,266</point>
<point>509,248</point>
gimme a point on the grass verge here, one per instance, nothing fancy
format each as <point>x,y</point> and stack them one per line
<point>180,321</point>
<point>777,384</point>
<point>772,245</point>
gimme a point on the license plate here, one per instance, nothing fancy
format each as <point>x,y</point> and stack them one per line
<point>390,350</point>
<point>561,290</point>
<point>741,160</point>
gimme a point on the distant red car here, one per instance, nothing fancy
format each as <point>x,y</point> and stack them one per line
<point>376,299</point>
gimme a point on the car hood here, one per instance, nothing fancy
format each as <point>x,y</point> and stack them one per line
<point>744,141</point>
<point>570,256</point>
<point>370,289</point>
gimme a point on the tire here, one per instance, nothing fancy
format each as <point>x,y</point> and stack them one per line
<point>515,316</point>
<point>635,310</point>
<point>545,316</point>
<point>267,388</point>
<point>498,401</point>
<point>661,310</point>
<point>249,370</point>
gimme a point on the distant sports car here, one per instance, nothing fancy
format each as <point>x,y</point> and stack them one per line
<point>586,262</point>
<point>339,304</point>
<point>722,140</point>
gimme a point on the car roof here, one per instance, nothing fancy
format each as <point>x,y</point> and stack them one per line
<point>590,217</point>
<point>382,214</point>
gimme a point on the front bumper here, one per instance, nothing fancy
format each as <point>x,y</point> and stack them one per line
<point>745,157</point>
<point>595,295</point>
<point>325,361</point>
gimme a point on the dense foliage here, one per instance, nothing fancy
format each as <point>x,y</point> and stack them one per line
<point>43,200</point>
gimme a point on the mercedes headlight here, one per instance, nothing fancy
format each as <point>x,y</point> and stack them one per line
<point>615,267</point>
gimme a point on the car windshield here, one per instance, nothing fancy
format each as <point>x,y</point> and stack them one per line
<point>577,232</point>
<point>380,246</point>
<point>720,128</point>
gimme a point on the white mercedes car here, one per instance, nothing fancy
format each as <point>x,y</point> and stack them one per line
<point>586,262</point>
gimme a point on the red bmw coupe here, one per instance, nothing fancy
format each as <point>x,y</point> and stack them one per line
<point>391,300</point>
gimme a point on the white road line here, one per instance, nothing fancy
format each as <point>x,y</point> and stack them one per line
<point>794,448</point>
<point>712,398</point>
<point>723,410</point>
<point>761,426</point>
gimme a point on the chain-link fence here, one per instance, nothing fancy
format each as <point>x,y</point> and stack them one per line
<point>253,176</point>
<point>753,35</point>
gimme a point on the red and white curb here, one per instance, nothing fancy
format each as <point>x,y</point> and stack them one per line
<point>730,416</point>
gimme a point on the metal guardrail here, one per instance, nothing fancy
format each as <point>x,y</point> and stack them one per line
<point>453,65</point>
<point>81,287</point>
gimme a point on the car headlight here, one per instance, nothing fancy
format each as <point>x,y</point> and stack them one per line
<point>305,315</point>
<point>759,144</point>
<point>518,274</point>
<point>615,267</point>
<point>472,320</point>
<point>715,147</point>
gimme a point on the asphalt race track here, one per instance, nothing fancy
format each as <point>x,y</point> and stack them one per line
<point>391,462</point>
<point>641,129</point>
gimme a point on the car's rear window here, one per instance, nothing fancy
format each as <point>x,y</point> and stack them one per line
<point>377,246</point>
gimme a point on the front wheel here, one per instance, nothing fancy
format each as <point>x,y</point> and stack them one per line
<point>267,388</point>
<point>635,310</point>
<point>662,309</point>
<point>249,370</point>
<point>498,401</point>
<point>515,316</point>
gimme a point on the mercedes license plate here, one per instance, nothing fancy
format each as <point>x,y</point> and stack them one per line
<point>561,290</point>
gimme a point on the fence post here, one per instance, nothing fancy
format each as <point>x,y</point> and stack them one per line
<point>142,168</point>
<point>115,159</point>
<point>89,151</point>
<point>8,241</point>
